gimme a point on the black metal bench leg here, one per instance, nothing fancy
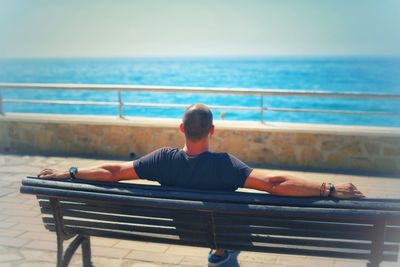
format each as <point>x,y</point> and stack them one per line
<point>373,264</point>
<point>377,244</point>
<point>60,251</point>
<point>55,205</point>
<point>86,252</point>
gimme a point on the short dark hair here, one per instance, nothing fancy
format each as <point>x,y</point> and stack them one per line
<point>197,121</point>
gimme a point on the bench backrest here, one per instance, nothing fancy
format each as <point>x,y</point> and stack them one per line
<point>361,229</point>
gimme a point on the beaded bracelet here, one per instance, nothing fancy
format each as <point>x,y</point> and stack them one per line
<point>322,189</point>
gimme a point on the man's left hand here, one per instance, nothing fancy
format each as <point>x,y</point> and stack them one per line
<point>346,191</point>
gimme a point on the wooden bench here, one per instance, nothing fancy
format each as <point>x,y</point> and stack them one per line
<point>366,229</point>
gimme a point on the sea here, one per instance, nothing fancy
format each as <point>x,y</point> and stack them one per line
<point>375,75</point>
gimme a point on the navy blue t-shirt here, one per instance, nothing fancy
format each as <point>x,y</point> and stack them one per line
<point>207,171</point>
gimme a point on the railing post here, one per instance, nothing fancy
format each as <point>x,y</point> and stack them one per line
<point>120,105</point>
<point>1,105</point>
<point>262,108</point>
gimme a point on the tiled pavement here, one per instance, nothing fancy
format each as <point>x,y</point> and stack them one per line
<point>25,242</point>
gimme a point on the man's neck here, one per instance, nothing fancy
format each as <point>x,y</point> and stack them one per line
<point>195,148</point>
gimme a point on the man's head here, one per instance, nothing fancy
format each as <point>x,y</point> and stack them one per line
<point>197,122</point>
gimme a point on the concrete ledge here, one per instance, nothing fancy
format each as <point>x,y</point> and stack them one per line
<point>220,124</point>
<point>331,147</point>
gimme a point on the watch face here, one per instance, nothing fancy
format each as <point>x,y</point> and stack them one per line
<point>73,171</point>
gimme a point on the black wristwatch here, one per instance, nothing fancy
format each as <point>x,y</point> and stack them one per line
<point>72,172</point>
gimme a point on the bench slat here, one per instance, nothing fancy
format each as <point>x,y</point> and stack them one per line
<point>121,210</point>
<point>320,242</point>
<point>315,251</point>
<point>186,232</point>
<point>196,223</point>
<point>128,235</point>
<point>313,223</point>
<point>293,232</point>
<point>393,234</point>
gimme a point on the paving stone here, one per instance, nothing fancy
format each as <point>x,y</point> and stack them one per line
<point>45,236</point>
<point>265,258</point>
<point>10,233</point>
<point>11,199</point>
<point>141,264</point>
<point>24,219</point>
<point>11,177</point>
<point>105,262</point>
<point>36,264</point>
<point>20,169</point>
<point>42,244</point>
<point>39,255</point>
<point>15,185</point>
<point>187,250</point>
<point>103,242</point>
<point>317,262</point>
<point>28,227</point>
<point>6,183</point>
<point>5,264</point>
<point>107,252</point>
<point>194,261</point>
<point>142,246</point>
<point>292,260</point>
<point>24,206</point>
<point>6,225</point>
<point>27,213</point>
<point>5,191</point>
<point>258,264</point>
<point>12,242</point>
<point>389,264</point>
<point>155,257</point>
<point>7,257</point>
<point>348,263</point>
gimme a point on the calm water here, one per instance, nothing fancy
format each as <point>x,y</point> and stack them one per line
<point>368,75</point>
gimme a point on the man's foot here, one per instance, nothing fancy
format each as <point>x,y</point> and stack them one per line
<point>217,260</point>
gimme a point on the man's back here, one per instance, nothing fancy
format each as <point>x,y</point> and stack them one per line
<point>207,171</point>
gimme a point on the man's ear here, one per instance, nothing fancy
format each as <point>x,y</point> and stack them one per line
<point>212,128</point>
<point>181,128</point>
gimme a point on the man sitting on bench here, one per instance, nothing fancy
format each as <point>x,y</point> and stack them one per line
<point>195,167</point>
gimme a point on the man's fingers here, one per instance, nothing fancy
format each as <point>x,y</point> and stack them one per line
<point>49,175</point>
<point>358,194</point>
<point>46,173</point>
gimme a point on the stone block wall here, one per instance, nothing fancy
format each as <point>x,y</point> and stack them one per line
<point>375,150</point>
<point>375,154</point>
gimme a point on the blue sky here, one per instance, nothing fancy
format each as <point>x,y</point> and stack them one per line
<point>100,28</point>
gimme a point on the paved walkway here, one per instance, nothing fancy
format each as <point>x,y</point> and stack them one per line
<point>25,242</point>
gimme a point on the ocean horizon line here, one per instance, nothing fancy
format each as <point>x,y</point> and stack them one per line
<point>253,57</point>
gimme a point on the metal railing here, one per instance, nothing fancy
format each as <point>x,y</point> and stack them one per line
<point>261,93</point>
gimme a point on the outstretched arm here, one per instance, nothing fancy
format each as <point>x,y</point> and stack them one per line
<point>286,185</point>
<point>111,172</point>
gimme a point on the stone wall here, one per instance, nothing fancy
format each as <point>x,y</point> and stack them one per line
<point>375,150</point>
